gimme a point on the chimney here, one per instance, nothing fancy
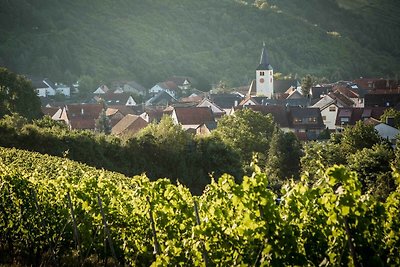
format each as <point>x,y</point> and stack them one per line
<point>82,112</point>
<point>236,103</point>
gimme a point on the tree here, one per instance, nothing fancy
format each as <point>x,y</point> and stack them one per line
<point>247,132</point>
<point>87,84</point>
<point>320,156</point>
<point>393,114</point>
<point>103,123</point>
<point>358,137</point>
<point>17,95</point>
<point>306,84</point>
<point>373,166</point>
<point>283,157</point>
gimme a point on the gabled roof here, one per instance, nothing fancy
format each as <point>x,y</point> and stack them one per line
<point>136,110</point>
<point>347,92</point>
<point>358,114</point>
<point>317,91</point>
<point>129,124</point>
<point>225,101</point>
<point>102,89</point>
<point>161,97</point>
<point>281,86</point>
<point>87,111</point>
<point>193,115</point>
<point>218,111</point>
<point>116,99</point>
<point>341,98</point>
<point>168,85</point>
<point>49,111</point>
<point>179,80</point>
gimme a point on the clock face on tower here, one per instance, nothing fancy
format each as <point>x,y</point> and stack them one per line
<point>261,80</point>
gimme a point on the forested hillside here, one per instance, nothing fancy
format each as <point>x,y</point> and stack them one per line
<point>148,41</point>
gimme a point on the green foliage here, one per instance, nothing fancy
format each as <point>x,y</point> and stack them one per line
<point>248,132</point>
<point>358,137</point>
<point>306,84</point>
<point>391,113</point>
<point>373,166</point>
<point>283,158</point>
<point>319,156</point>
<point>208,40</point>
<point>103,123</point>
<point>330,222</point>
<point>17,96</point>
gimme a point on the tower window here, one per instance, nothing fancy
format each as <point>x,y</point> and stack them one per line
<point>261,73</point>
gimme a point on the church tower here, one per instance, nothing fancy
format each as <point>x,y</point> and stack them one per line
<point>265,76</point>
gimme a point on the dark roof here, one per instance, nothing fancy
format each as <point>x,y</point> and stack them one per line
<point>359,114</point>
<point>84,110</point>
<point>161,98</point>
<point>225,101</point>
<point>280,86</point>
<point>115,99</point>
<point>317,92</point>
<point>125,110</point>
<point>342,98</point>
<point>264,62</point>
<point>303,114</point>
<point>382,99</point>
<point>194,115</point>
<point>49,111</point>
<point>279,113</point>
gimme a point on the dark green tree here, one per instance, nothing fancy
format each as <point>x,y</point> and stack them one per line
<point>283,158</point>
<point>247,132</point>
<point>319,156</point>
<point>358,137</point>
<point>103,123</point>
<point>17,95</point>
<point>306,84</point>
<point>373,166</point>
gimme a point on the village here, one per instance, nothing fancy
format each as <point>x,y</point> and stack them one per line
<point>328,107</point>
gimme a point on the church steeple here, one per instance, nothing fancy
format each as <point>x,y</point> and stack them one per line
<point>264,62</point>
<point>265,76</point>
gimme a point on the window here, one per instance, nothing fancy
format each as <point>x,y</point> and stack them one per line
<point>261,73</point>
<point>312,120</point>
<point>332,108</point>
<point>297,120</point>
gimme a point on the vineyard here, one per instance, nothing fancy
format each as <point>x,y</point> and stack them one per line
<point>54,211</point>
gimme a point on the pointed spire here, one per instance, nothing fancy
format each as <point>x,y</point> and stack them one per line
<point>264,63</point>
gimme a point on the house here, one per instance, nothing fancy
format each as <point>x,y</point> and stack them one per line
<point>125,99</point>
<point>306,120</point>
<point>49,111</point>
<point>62,89</point>
<point>193,98</point>
<point>282,86</point>
<point>348,116</point>
<point>152,115</point>
<point>382,98</point>
<point>291,93</point>
<point>162,98</point>
<point>206,128</point>
<point>387,132</point>
<point>217,111</point>
<point>184,83</point>
<point>192,117</point>
<point>129,125</point>
<point>329,105</point>
<point>128,87</point>
<point>114,116</point>
<point>102,89</point>
<point>318,91</point>
<point>43,87</point>
<point>226,101</point>
<point>278,113</point>
<point>81,116</point>
<point>169,86</point>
